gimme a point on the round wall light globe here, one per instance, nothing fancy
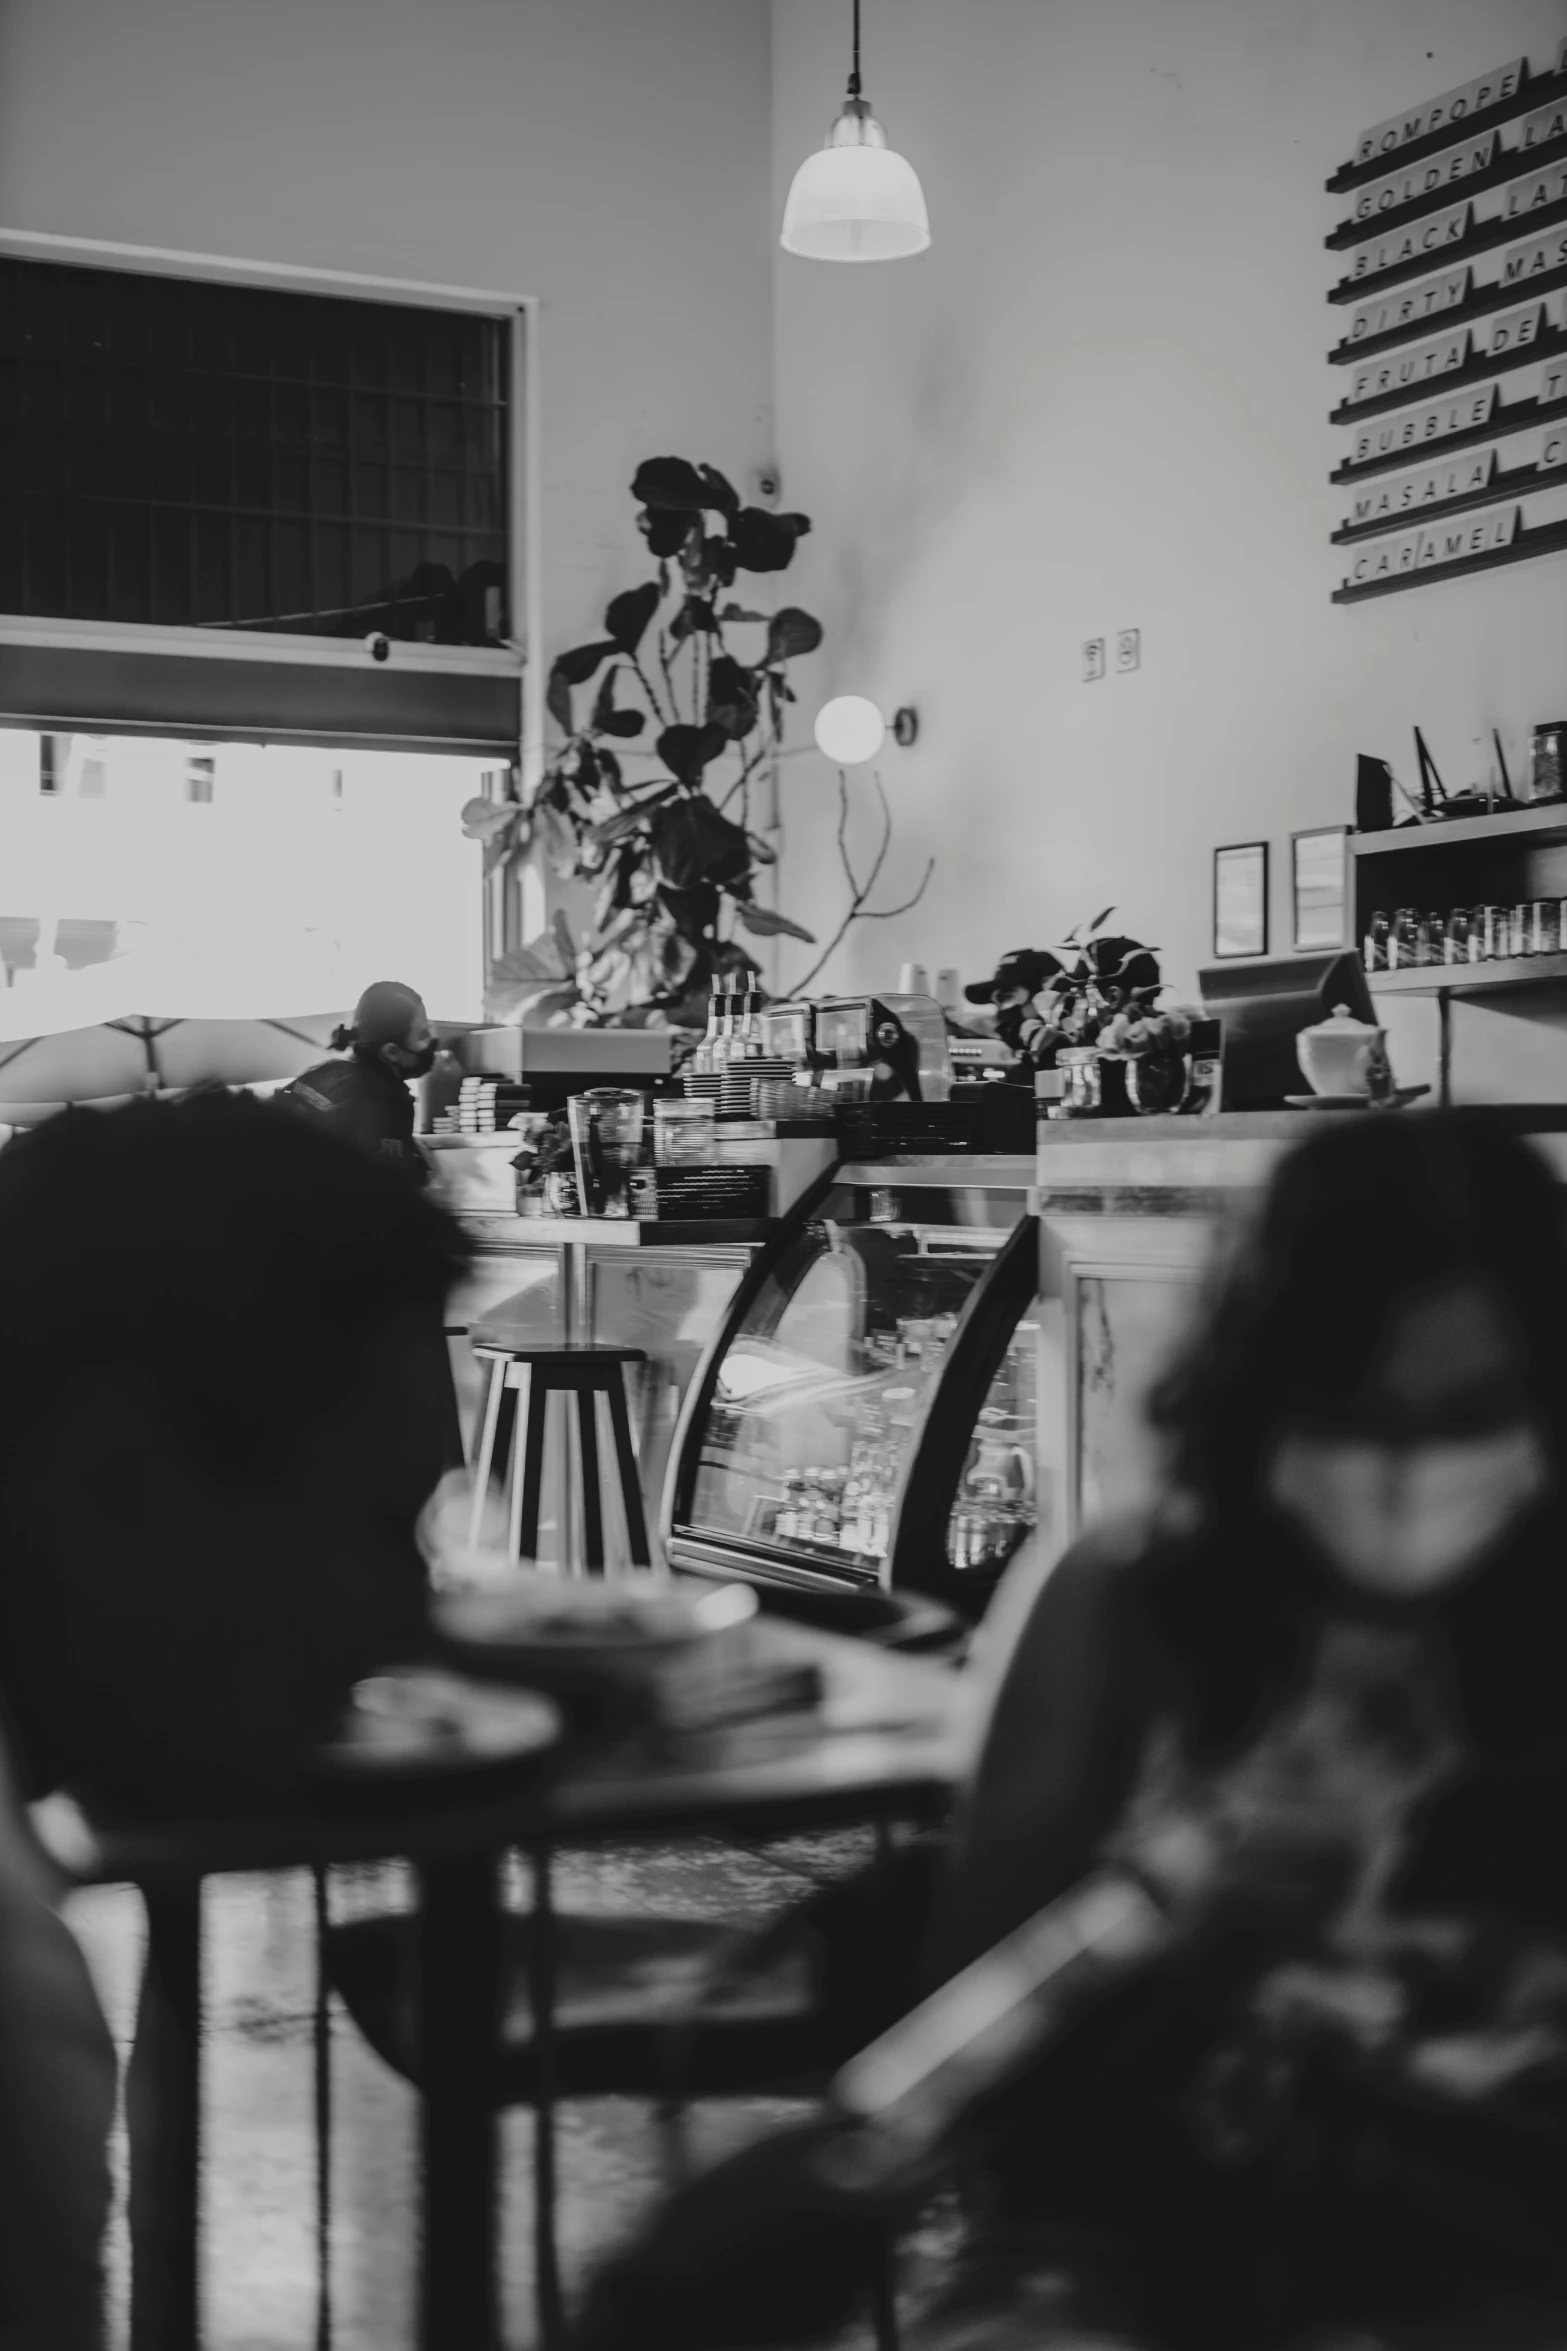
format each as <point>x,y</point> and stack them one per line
<point>849,730</point>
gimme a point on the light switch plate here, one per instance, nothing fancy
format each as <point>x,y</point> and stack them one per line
<point>1128,648</point>
<point>1093,660</point>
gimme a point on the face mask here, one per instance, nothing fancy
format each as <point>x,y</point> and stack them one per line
<point>1405,1521</point>
<point>417,1062</point>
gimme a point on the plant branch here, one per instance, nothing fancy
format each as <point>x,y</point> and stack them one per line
<point>669,676</point>
<point>646,684</point>
<point>859,911</point>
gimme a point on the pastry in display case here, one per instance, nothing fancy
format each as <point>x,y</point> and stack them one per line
<point>867,1414</point>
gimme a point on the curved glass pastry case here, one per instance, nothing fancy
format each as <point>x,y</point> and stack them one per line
<point>866,1414</point>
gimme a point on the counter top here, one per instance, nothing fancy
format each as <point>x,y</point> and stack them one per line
<point>501,1229</point>
<point>1234,1151</point>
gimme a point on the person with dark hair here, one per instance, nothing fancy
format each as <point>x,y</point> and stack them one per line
<point>1349,1611</point>
<point>222,1398</point>
<point>223,1403</point>
<point>364,1097</point>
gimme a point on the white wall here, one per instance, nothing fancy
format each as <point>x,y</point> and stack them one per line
<point>607,156</point>
<point>1100,401</point>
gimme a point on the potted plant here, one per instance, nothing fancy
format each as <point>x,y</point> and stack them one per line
<point>673,851</point>
<point>1097,1017</point>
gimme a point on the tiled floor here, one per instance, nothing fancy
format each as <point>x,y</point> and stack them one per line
<point>259,2190</point>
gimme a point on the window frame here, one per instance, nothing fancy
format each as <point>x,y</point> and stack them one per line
<point>514,658</point>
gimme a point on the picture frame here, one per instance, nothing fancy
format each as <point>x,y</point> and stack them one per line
<point>1240,900</point>
<point>1319,888</point>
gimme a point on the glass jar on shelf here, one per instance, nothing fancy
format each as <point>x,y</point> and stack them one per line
<point>1404,942</point>
<point>1548,760</point>
<point>1455,942</point>
<point>1378,932</point>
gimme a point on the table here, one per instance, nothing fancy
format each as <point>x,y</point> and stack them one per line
<point>890,1740</point>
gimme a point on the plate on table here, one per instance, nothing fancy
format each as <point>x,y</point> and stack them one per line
<point>418,1721</point>
<point>538,1624</point>
<point>1396,1100</point>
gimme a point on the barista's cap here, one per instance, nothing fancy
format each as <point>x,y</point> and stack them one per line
<point>385,1013</point>
<point>1027,968</point>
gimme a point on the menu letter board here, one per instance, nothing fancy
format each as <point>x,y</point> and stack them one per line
<point>1411,428</point>
<point>1402,309</point>
<point>1387,501</point>
<point>1407,370</point>
<point>1423,179</point>
<point>1455,106</point>
<point>1424,240</point>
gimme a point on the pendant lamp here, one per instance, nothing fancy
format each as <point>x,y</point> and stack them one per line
<point>855,200</point>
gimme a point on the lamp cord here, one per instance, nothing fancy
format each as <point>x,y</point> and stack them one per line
<point>854,77</point>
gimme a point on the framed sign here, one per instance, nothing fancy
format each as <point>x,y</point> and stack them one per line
<point>1319,887</point>
<point>1240,899</point>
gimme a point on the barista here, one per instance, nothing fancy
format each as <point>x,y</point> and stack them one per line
<point>1020,977</point>
<point>365,1098</point>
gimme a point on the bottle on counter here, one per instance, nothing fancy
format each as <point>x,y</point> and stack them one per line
<point>702,1060</point>
<point>746,1042</point>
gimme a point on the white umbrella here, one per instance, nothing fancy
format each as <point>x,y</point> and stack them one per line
<point>143,1053</point>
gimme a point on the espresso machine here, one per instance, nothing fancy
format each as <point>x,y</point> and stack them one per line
<point>887,1048</point>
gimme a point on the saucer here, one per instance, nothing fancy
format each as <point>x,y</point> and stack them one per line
<point>1395,1101</point>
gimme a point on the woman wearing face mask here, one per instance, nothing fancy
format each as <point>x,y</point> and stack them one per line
<point>365,1097</point>
<point>1355,1596</point>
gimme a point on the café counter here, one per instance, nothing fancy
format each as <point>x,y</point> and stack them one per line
<point>1129,1212</point>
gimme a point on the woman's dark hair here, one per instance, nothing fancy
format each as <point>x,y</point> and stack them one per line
<point>1362,1220</point>
<point>1358,1221</point>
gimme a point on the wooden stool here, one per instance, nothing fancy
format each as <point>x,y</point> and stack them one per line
<point>540,1372</point>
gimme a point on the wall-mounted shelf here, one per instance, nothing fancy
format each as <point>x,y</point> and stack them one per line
<point>1484,302</point>
<point>1549,538</point>
<point>1482,369</point>
<point>1534,90</point>
<point>1483,239</point>
<point>1518,417</point>
<point>1512,163</point>
<point>1542,826</point>
<point>1519,481</point>
<point>1469,979</point>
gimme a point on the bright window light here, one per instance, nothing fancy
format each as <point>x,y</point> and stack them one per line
<point>275,878</point>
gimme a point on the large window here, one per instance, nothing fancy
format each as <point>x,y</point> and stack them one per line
<point>193,453</point>
<point>203,874</point>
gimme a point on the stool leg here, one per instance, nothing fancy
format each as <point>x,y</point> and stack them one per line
<point>527,1494</point>
<point>626,1461</point>
<point>592,1508</point>
<point>486,1459</point>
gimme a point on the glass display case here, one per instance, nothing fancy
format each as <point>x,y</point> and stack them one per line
<point>867,1414</point>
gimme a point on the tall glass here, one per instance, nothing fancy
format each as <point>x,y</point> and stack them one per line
<point>606,1141</point>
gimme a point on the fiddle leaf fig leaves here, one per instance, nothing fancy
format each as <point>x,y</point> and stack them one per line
<point>584,661</point>
<point>685,751</point>
<point>695,843</point>
<point>628,615</point>
<point>667,530</point>
<point>483,819</point>
<point>670,482</point>
<point>765,922</point>
<point>763,541</point>
<point>607,720</point>
<point>791,633</point>
<point>721,494</point>
<point>673,872</point>
<point>732,703</point>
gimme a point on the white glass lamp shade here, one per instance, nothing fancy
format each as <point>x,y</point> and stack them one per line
<point>855,200</point>
<point>849,730</point>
